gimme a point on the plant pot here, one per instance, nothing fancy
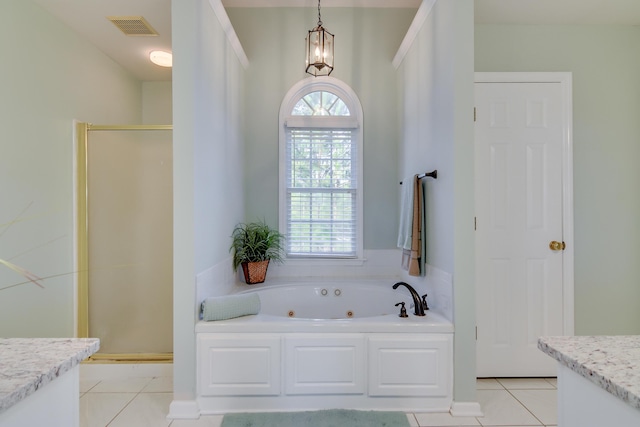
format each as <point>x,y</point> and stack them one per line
<point>255,272</point>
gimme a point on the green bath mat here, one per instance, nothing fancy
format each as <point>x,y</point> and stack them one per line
<point>327,418</point>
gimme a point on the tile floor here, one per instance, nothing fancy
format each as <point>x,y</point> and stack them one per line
<point>144,402</point>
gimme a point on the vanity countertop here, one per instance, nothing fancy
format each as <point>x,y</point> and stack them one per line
<point>27,364</point>
<point>610,362</point>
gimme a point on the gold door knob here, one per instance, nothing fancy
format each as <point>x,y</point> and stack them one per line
<point>556,246</point>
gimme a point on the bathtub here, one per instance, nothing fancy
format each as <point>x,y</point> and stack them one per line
<point>338,344</point>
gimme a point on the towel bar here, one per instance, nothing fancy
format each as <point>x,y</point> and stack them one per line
<point>433,175</point>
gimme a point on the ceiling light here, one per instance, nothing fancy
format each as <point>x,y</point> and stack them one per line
<point>161,58</point>
<point>319,46</point>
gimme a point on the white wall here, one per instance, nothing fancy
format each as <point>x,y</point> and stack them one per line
<point>207,154</point>
<point>366,41</point>
<point>605,65</point>
<point>48,78</point>
<point>436,77</point>
<point>157,103</point>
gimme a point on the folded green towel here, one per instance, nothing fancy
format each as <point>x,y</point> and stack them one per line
<point>230,306</point>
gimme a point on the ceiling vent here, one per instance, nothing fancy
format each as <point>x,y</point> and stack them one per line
<point>133,25</point>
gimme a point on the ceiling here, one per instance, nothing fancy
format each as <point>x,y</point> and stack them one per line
<point>88,18</point>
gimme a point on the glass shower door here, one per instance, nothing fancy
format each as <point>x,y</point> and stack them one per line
<point>129,242</point>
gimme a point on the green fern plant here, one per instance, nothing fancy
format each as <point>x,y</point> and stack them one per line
<point>255,242</point>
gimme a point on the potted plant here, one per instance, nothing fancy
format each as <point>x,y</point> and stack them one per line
<point>254,244</point>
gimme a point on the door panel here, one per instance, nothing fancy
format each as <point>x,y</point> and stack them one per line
<point>129,241</point>
<point>519,211</point>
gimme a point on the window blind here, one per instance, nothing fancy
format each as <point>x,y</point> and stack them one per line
<point>321,186</point>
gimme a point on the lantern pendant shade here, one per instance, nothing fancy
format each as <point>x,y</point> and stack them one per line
<point>319,47</point>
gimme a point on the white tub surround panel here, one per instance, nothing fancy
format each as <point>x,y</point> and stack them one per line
<point>215,281</point>
<point>440,289</point>
<point>378,263</point>
<point>598,379</point>
<point>326,344</point>
<point>265,362</point>
<point>387,324</point>
<point>39,379</point>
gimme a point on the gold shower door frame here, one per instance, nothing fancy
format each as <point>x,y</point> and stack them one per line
<point>82,232</point>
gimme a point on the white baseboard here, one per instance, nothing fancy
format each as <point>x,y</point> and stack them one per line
<point>184,409</point>
<point>466,409</point>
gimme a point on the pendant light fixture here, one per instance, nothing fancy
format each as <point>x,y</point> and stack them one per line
<point>319,46</point>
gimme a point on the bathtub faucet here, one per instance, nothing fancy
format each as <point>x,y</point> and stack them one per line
<point>417,302</point>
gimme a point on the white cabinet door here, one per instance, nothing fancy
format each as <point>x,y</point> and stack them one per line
<point>248,364</point>
<point>416,366</point>
<point>325,364</point>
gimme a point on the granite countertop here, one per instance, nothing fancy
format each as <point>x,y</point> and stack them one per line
<point>27,364</point>
<point>610,362</point>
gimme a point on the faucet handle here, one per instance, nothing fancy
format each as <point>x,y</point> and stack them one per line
<point>424,302</point>
<point>403,311</point>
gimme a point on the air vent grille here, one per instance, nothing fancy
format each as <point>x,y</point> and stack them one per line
<point>133,25</point>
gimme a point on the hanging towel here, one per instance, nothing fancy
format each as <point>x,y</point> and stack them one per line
<point>416,228</point>
<point>406,221</point>
<point>406,214</point>
<point>230,306</point>
<point>423,228</point>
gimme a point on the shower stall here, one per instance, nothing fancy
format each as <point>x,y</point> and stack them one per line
<point>125,240</point>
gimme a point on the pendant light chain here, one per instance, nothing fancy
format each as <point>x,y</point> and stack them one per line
<point>319,15</point>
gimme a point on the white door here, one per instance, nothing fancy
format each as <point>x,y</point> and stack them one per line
<point>519,137</point>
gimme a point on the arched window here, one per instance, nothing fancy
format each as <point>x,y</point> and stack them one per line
<point>321,170</point>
